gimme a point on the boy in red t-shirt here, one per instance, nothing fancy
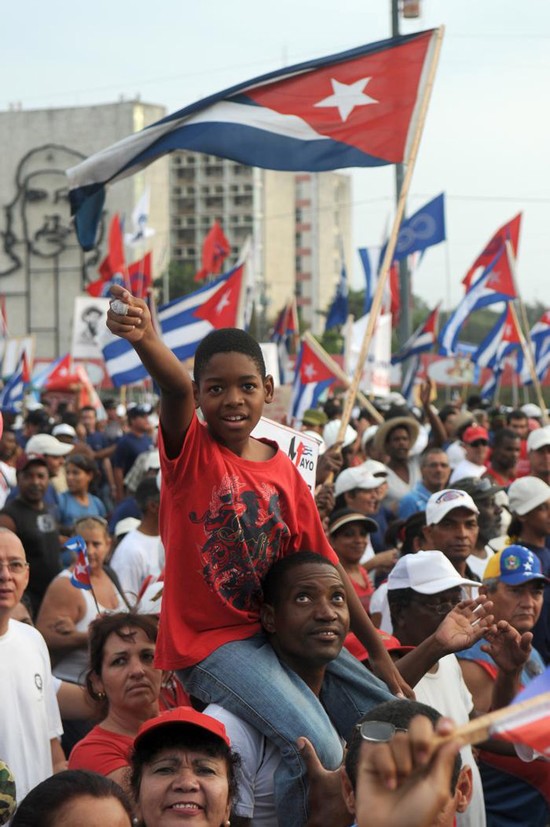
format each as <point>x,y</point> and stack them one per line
<point>230,506</point>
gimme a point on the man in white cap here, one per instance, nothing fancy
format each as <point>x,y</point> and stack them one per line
<point>452,527</point>
<point>425,594</point>
<point>538,452</point>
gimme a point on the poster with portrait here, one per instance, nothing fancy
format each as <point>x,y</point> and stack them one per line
<point>90,315</point>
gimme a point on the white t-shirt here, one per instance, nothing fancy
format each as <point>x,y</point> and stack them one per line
<point>466,469</point>
<point>8,480</point>
<point>379,604</point>
<point>29,714</point>
<point>446,691</point>
<point>259,761</point>
<point>137,556</point>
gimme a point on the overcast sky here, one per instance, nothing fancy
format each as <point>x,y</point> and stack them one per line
<point>487,135</point>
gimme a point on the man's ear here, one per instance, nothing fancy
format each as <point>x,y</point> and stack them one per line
<point>267,618</point>
<point>464,789</point>
<point>347,791</point>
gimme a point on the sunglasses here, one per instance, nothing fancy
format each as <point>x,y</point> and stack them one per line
<point>378,732</point>
<point>478,442</point>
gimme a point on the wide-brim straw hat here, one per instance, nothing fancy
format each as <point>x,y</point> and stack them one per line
<point>389,425</point>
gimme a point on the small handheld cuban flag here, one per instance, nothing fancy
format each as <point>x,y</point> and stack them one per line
<point>81,573</point>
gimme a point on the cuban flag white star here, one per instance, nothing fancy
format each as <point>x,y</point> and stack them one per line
<point>80,570</point>
<point>345,97</point>
<point>223,302</point>
<point>310,372</point>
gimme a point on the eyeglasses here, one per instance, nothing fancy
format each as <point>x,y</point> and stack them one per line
<point>477,443</point>
<point>442,608</point>
<point>378,732</point>
<point>14,566</point>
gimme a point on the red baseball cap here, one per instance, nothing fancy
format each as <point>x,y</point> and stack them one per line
<point>183,715</point>
<point>474,432</point>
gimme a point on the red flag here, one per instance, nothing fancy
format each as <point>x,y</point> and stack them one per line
<point>222,308</point>
<point>312,368</point>
<point>25,368</point>
<point>215,249</point>
<point>114,262</point>
<point>140,276</point>
<point>508,232</point>
<point>395,292</point>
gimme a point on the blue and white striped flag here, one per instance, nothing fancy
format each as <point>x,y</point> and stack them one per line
<point>183,323</point>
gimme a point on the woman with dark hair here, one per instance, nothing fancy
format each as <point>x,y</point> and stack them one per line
<point>182,764</point>
<point>77,502</point>
<point>72,799</point>
<point>126,687</point>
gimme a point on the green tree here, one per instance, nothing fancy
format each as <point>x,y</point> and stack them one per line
<point>181,281</point>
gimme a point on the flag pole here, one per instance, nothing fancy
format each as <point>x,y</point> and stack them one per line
<point>392,241</point>
<point>342,376</point>
<point>528,350</point>
<point>525,335</point>
<point>479,729</point>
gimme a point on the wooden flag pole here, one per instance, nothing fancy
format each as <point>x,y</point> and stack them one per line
<point>479,729</point>
<point>525,335</point>
<point>342,376</point>
<point>528,350</point>
<point>392,241</point>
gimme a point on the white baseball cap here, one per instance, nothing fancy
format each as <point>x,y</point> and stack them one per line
<point>533,411</point>
<point>64,430</point>
<point>526,494</point>
<point>351,478</point>
<point>372,466</point>
<point>48,446</point>
<point>330,434</point>
<point>426,572</point>
<point>538,438</point>
<point>440,503</point>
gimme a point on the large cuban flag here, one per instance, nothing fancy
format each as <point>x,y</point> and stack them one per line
<point>183,323</point>
<point>354,109</point>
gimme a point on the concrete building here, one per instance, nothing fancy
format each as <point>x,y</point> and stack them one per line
<point>42,268</point>
<point>297,221</point>
<point>298,224</point>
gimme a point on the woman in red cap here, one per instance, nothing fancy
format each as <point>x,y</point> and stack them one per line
<point>183,770</point>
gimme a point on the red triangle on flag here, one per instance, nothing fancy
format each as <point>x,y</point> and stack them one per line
<point>501,279</point>
<point>312,368</point>
<point>222,308</point>
<point>367,102</point>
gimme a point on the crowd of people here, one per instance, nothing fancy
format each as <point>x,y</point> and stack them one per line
<point>244,651</point>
